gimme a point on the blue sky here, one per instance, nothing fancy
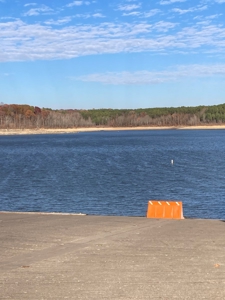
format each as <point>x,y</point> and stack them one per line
<point>112,54</point>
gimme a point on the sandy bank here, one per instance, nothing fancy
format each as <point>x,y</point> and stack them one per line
<point>91,129</point>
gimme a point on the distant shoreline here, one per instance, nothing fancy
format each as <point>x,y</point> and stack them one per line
<point>92,129</point>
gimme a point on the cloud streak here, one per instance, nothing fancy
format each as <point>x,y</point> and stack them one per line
<point>30,4</point>
<point>39,10</point>
<point>78,3</point>
<point>129,7</point>
<point>150,78</point>
<point>189,10</point>
<point>167,2</point>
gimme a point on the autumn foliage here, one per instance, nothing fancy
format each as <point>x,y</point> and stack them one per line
<point>28,117</point>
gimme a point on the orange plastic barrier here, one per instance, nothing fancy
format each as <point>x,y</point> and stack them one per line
<point>165,210</point>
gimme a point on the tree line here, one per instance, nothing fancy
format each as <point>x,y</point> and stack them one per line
<point>15,116</point>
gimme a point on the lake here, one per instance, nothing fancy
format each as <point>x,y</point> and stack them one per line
<point>114,173</point>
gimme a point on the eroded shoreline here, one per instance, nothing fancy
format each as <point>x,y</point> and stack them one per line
<point>94,129</point>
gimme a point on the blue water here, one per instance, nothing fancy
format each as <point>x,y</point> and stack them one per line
<point>114,173</point>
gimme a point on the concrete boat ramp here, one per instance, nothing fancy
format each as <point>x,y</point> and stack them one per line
<point>96,257</point>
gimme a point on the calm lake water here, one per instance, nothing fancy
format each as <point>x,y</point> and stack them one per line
<point>114,173</point>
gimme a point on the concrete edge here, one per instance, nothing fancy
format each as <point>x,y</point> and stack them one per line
<point>42,213</point>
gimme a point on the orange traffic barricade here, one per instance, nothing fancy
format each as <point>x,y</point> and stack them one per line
<point>165,210</point>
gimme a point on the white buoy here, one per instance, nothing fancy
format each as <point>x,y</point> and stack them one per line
<point>171,161</point>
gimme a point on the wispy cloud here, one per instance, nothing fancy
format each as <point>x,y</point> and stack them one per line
<point>151,13</point>
<point>39,10</point>
<point>8,18</point>
<point>30,4</point>
<point>88,15</point>
<point>147,14</point>
<point>191,9</point>
<point>61,21</point>
<point>201,19</point>
<point>167,2</point>
<point>132,13</point>
<point>211,17</point>
<point>164,26</point>
<point>4,74</point>
<point>128,7</point>
<point>158,77</point>
<point>98,15</point>
<point>78,3</point>
<point>220,1</point>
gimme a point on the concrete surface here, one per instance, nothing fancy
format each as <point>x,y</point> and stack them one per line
<point>97,257</point>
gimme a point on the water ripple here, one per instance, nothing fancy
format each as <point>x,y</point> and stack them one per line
<point>114,173</point>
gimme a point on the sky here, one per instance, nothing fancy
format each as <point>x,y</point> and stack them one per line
<point>112,54</point>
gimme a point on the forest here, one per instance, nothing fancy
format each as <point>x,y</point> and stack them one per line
<point>14,116</point>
